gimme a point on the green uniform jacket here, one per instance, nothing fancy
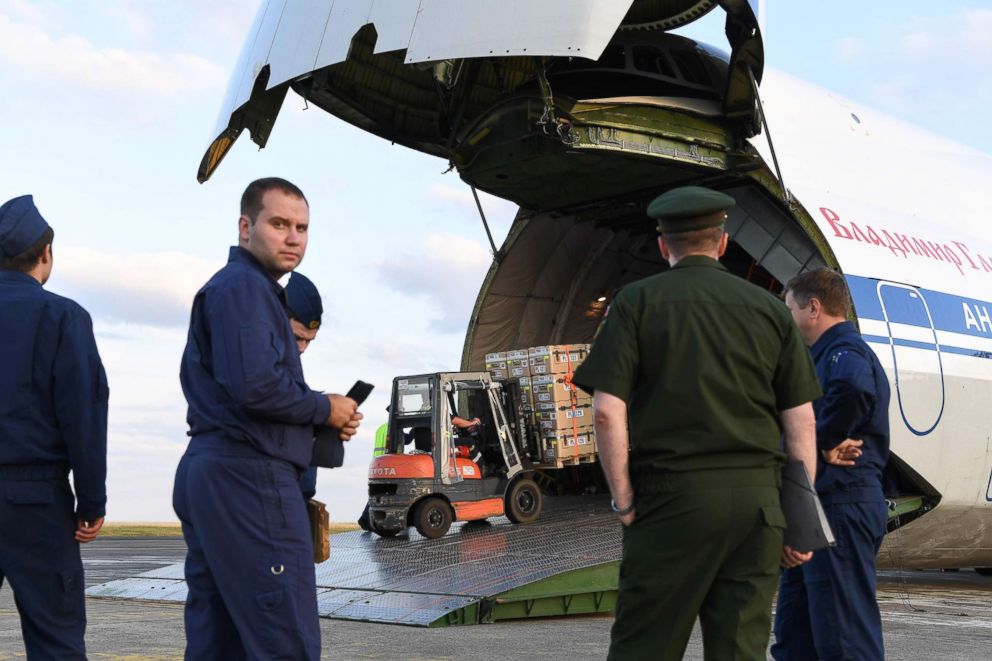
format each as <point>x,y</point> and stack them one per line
<point>705,361</point>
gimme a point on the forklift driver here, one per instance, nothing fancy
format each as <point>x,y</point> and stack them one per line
<point>423,440</point>
<point>467,438</point>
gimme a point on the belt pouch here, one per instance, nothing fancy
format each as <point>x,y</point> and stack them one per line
<point>320,530</point>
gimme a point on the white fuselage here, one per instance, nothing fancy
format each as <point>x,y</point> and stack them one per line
<point>901,210</point>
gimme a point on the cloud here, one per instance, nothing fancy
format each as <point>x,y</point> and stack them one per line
<point>952,36</point>
<point>23,10</point>
<point>397,357</point>
<point>974,33</point>
<point>935,67</point>
<point>919,43</point>
<point>137,24</point>
<point>459,197</point>
<point>29,50</point>
<point>497,209</point>
<point>446,271</point>
<point>851,48</point>
<point>147,418</point>
<point>156,289</point>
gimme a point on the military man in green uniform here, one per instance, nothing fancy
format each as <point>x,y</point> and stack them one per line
<point>713,374</point>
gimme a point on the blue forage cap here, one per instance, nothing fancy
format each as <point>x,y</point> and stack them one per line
<point>303,301</point>
<point>21,225</point>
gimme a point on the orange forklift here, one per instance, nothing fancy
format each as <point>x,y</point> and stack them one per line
<point>434,473</point>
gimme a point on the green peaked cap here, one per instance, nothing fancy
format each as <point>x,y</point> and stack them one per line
<point>689,208</point>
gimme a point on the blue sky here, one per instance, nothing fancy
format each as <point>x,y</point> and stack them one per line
<point>108,106</point>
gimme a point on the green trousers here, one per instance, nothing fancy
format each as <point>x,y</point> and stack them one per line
<point>703,544</point>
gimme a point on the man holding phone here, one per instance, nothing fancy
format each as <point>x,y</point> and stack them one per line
<point>305,310</point>
<point>251,415</point>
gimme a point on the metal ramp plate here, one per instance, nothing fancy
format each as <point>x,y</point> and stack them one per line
<point>565,563</point>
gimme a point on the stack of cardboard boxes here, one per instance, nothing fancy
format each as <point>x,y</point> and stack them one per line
<point>561,412</point>
<point>496,365</point>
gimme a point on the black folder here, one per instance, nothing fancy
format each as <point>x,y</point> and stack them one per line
<point>808,529</point>
<point>328,448</point>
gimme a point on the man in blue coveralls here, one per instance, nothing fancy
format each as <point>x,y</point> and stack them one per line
<point>827,608</point>
<point>249,561</point>
<point>305,310</point>
<point>53,419</point>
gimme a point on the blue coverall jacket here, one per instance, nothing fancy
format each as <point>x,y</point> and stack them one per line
<point>53,389</point>
<point>241,371</point>
<point>53,419</point>
<point>854,405</point>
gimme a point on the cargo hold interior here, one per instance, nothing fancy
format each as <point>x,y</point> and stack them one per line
<point>558,271</point>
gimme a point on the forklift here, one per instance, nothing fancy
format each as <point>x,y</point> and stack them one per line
<point>434,473</point>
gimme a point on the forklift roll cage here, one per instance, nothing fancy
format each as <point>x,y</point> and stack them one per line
<point>438,393</point>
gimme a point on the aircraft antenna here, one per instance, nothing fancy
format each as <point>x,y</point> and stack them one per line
<point>485,224</point>
<point>768,135</point>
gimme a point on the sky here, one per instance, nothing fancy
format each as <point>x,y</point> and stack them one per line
<point>108,106</point>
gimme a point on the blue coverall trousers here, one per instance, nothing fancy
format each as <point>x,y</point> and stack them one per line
<point>39,556</point>
<point>249,563</point>
<point>826,608</point>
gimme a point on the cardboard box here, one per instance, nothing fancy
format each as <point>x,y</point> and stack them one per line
<point>562,417</point>
<point>526,394</point>
<point>556,388</point>
<point>517,364</point>
<point>496,357</point>
<point>563,445</point>
<point>517,371</point>
<point>556,358</point>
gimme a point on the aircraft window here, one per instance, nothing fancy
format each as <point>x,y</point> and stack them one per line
<point>652,60</point>
<point>692,67</point>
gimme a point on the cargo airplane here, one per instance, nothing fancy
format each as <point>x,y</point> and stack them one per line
<point>581,111</point>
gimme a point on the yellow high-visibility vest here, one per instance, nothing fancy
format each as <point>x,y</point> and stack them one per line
<point>380,440</point>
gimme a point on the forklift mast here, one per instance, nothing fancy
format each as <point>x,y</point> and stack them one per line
<point>427,401</point>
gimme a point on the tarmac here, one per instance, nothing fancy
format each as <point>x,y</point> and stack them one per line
<point>925,615</point>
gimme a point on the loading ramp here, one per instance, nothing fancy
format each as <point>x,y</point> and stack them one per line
<point>567,563</point>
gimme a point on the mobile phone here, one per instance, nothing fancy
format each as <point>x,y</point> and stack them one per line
<point>360,391</point>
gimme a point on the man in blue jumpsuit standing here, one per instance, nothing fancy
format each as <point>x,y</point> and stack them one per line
<point>249,563</point>
<point>53,419</point>
<point>305,310</point>
<point>827,608</point>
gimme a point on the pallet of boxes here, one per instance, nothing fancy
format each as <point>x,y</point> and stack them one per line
<point>559,411</point>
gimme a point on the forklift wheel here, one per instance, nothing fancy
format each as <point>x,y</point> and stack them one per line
<point>523,501</point>
<point>433,517</point>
